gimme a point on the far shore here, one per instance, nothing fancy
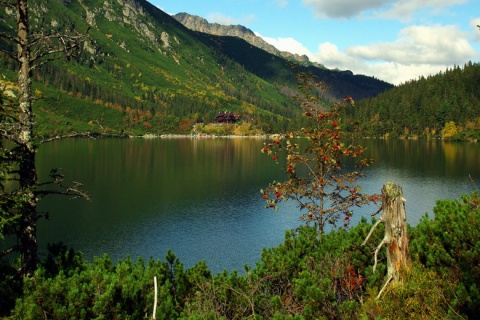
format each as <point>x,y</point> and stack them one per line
<point>204,136</point>
<point>96,135</point>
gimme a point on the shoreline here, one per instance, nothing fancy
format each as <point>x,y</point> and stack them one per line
<point>95,135</point>
<point>202,136</point>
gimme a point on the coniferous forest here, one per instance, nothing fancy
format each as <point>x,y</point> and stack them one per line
<point>425,107</point>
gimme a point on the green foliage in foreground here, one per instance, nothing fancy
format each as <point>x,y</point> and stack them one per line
<point>303,278</point>
<point>450,245</point>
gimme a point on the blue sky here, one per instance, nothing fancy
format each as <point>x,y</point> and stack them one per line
<point>393,40</point>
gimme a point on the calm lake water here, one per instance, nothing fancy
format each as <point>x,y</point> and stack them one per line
<point>200,197</point>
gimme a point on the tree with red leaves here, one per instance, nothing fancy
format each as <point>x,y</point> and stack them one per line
<point>321,176</point>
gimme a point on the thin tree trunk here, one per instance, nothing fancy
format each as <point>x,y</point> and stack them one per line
<point>27,233</point>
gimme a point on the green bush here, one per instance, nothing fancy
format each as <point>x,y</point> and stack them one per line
<point>303,278</point>
<point>450,245</point>
<point>102,290</point>
<point>424,295</point>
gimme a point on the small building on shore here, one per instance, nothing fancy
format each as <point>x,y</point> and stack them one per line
<point>226,117</point>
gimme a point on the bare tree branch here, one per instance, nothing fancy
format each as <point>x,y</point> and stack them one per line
<point>384,286</point>
<point>376,212</point>
<point>384,241</point>
<point>7,4</point>
<point>8,37</point>
<point>8,251</point>
<point>73,135</point>
<point>57,179</point>
<point>72,191</point>
<point>394,218</point>
<point>69,44</point>
<point>371,231</point>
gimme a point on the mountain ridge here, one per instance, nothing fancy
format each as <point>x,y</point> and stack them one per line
<point>197,23</point>
<point>143,71</point>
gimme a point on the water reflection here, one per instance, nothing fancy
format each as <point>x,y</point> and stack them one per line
<point>427,170</point>
<point>201,198</point>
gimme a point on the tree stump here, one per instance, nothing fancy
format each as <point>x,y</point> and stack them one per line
<point>396,238</point>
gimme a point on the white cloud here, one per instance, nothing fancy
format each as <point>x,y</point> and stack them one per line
<point>226,20</point>
<point>475,30</point>
<point>404,10</point>
<point>281,3</point>
<point>286,44</point>
<point>420,45</point>
<point>400,73</point>
<point>392,9</point>
<point>390,71</point>
<point>343,8</point>
<point>329,55</point>
<point>419,50</point>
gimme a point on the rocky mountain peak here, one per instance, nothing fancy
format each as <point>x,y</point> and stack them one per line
<point>200,24</point>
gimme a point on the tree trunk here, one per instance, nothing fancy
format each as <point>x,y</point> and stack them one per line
<point>396,238</point>
<point>32,50</point>
<point>27,233</point>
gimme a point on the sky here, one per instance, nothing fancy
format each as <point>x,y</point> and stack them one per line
<point>392,40</point>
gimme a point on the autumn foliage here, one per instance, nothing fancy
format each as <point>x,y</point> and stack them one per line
<point>323,163</point>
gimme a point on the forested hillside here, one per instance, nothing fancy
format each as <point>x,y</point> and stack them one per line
<point>143,71</point>
<point>445,105</point>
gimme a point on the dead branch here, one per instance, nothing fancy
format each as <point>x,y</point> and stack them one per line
<point>155,299</point>
<point>73,135</point>
<point>8,37</point>
<point>371,231</point>
<point>376,212</point>
<point>74,192</point>
<point>384,241</point>
<point>8,251</point>
<point>384,286</point>
<point>57,179</point>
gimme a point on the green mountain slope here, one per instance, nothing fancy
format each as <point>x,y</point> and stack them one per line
<point>143,71</point>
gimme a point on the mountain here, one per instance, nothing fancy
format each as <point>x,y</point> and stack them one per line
<point>200,24</point>
<point>143,71</point>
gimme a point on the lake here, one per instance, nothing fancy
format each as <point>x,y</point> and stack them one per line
<point>200,197</point>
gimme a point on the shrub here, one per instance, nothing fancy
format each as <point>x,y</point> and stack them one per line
<point>102,290</point>
<point>450,245</point>
<point>303,278</point>
<point>424,295</point>
<point>450,130</point>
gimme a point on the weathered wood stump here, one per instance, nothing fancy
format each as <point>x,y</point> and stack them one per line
<point>396,238</point>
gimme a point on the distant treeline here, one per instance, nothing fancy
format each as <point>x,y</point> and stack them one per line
<point>424,106</point>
